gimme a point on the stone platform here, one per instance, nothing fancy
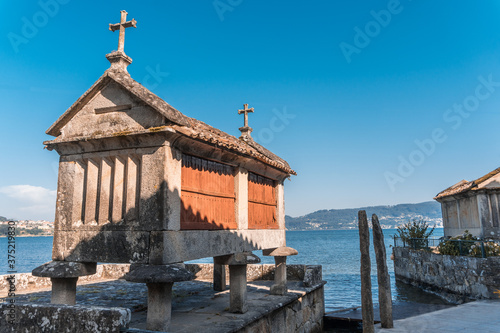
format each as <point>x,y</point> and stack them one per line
<point>196,307</point>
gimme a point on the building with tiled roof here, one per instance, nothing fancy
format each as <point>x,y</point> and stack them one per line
<point>473,206</point>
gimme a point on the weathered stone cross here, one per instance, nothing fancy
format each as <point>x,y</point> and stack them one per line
<point>121,26</point>
<point>246,111</point>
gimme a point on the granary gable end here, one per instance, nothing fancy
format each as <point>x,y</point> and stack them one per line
<point>117,105</point>
<point>116,101</point>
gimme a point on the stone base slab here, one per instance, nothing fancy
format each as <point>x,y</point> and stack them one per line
<point>25,317</point>
<point>159,247</point>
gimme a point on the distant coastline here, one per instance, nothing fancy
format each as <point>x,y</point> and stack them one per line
<point>390,217</point>
<point>19,236</point>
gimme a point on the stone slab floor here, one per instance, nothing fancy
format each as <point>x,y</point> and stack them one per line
<point>478,316</point>
<point>195,308</point>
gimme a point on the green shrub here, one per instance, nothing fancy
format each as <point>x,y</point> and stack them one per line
<point>459,245</point>
<point>418,229</point>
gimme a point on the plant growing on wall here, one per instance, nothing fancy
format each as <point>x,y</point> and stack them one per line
<point>490,249</point>
<point>459,245</point>
<point>415,233</point>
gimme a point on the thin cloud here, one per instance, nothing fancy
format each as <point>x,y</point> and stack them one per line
<point>27,202</point>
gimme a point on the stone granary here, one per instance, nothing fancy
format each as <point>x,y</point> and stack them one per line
<point>141,183</point>
<point>472,205</point>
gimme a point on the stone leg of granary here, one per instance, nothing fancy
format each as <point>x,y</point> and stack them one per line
<point>63,291</point>
<point>219,278</point>
<point>64,276</point>
<point>280,281</point>
<point>237,278</point>
<point>159,306</point>
<point>159,280</point>
<point>279,287</point>
<point>238,288</point>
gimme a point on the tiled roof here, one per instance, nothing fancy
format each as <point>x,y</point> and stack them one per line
<point>182,124</point>
<point>464,186</point>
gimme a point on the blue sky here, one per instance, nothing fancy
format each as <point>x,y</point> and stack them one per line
<point>371,102</point>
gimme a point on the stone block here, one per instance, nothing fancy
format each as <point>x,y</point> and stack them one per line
<point>158,274</point>
<point>313,275</point>
<point>24,281</point>
<point>278,321</point>
<point>254,272</point>
<point>103,246</point>
<point>170,247</point>
<point>268,271</point>
<point>291,323</point>
<point>203,272</point>
<point>295,272</point>
<point>62,318</point>
<point>153,188</point>
<point>114,271</point>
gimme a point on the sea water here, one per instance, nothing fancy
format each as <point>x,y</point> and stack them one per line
<point>336,250</point>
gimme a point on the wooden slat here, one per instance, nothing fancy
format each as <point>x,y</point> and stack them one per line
<point>207,195</point>
<point>261,203</point>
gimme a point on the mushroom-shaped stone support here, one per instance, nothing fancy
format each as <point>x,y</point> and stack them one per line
<point>280,253</point>
<point>159,280</point>
<point>237,278</point>
<point>64,276</point>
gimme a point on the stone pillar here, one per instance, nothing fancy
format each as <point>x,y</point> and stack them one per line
<point>384,280</point>
<point>219,278</point>
<point>63,291</point>
<point>172,174</point>
<point>238,288</point>
<point>485,216</point>
<point>64,276</point>
<point>159,306</point>
<point>237,278</point>
<point>280,204</point>
<point>159,280</point>
<point>366,284</point>
<point>241,190</point>
<point>280,282</point>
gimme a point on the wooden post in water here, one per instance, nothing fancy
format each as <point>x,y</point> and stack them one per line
<point>384,280</point>
<point>366,283</point>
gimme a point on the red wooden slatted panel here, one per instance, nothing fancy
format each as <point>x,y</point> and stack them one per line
<point>261,203</point>
<point>208,198</point>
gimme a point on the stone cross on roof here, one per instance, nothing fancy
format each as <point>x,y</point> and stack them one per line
<point>121,26</point>
<point>118,59</point>
<point>245,130</point>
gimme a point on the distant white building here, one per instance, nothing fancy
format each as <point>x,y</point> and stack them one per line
<point>472,205</point>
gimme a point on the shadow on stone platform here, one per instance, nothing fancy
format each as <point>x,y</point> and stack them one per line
<point>196,307</point>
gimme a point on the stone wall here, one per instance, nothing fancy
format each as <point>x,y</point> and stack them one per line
<point>304,314</point>
<point>456,278</point>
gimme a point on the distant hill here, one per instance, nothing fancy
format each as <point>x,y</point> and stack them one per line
<point>3,219</point>
<point>389,216</point>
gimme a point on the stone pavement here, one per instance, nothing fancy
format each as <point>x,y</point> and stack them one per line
<point>196,307</point>
<point>478,316</point>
